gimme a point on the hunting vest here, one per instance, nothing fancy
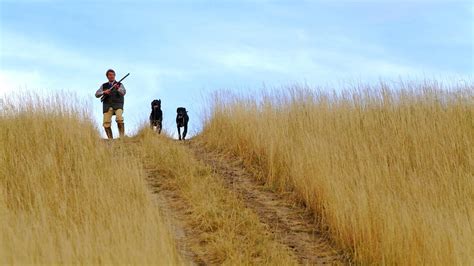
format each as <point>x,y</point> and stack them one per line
<point>114,99</point>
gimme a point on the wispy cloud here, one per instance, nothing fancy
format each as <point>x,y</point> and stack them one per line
<point>40,55</point>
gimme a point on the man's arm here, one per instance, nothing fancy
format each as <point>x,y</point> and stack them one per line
<point>122,90</point>
<point>99,92</point>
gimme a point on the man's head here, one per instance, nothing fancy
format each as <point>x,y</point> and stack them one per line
<point>110,75</point>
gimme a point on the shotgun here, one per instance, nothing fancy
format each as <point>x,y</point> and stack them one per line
<point>113,87</point>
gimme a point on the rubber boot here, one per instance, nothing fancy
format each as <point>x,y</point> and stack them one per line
<point>108,131</point>
<point>121,129</point>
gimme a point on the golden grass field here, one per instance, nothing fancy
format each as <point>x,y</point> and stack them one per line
<point>388,168</point>
<point>66,198</point>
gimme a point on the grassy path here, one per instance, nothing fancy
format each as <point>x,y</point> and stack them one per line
<point>173,209</point>
<point>291,224</point>
<point>219,215</point>
<point>211,224</point>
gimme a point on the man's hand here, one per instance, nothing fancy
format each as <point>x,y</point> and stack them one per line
<point>107,91</point>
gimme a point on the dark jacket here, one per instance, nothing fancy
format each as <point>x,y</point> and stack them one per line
<point>115,99</point>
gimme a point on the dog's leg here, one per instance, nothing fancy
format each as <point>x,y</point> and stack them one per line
<point>179,133</point>
<point>160,125</point>
<point>185,131</point>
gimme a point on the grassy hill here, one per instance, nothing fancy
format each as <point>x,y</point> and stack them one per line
<point>386,172</point>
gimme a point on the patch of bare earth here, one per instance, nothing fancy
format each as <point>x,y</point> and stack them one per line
<point>176,214</point>
<point>173,209</point>
<point>291,224</point>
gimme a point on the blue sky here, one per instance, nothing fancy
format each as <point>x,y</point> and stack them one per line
<point>180,51</point>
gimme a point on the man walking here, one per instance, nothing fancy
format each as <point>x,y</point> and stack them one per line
<point>113,97</point>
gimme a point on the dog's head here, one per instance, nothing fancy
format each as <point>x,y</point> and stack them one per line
<point>156,104</point>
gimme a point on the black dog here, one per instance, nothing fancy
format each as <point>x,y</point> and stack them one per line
<point>182,120</point>
<point>156,116</point>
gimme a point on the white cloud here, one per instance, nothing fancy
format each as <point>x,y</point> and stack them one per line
<point>15,80</point>
<point>313,62</point>
<point>48,53</point>
<point>21,47</point>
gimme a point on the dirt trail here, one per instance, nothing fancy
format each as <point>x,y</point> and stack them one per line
<point>291,224</point>
<point>174,212</point>
<point>173,209</point>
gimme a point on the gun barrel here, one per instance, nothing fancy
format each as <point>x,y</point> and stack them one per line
<point>103,96</point>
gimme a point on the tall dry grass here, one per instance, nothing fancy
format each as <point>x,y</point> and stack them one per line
<point>68,197</point>
<point>388,168</point>
<point>225,231</point>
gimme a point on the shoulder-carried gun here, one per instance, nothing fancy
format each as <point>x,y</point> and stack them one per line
<point>114,87</point>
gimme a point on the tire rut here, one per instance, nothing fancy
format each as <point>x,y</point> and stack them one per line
<point>175,213</point>
<point>172,207</point>
<point>291,224</point>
